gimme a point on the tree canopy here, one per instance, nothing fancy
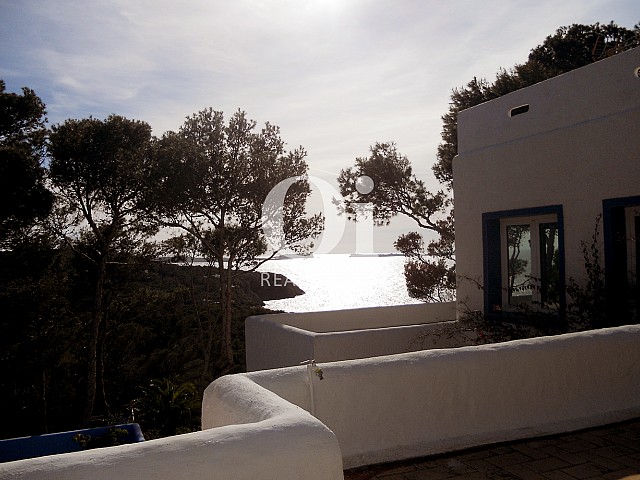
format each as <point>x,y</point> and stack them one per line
<point>570,47</point>
<point>90,313</point>
<point>397,191</point>
<point>23,195</point>
<point>211,181</point>
<point>97,170</point>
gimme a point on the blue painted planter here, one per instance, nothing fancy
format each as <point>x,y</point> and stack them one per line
<point>62,442</point>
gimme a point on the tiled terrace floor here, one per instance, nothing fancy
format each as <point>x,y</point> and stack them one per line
<point>609,453</point>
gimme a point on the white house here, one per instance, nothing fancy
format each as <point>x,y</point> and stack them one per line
<point>535,170</point>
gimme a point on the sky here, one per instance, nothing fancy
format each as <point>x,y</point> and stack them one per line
<point>337,76</point>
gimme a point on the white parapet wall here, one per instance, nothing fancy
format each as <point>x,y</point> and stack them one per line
<point>401,406</point>
<point>368,411</point>
<point>287,339</point>
<point>248,433</point>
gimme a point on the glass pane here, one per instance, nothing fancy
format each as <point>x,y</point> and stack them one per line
<point>519,263</point>
<point>549,270</point>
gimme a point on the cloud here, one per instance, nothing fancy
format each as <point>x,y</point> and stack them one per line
<point>336,75</point>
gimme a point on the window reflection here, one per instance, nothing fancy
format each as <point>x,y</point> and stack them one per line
<point>532,263</point>
<point>549,265</point>
<point>519,263</point>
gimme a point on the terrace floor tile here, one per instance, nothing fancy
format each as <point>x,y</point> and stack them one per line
<point>611,452</point>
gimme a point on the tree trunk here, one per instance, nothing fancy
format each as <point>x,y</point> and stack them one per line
<point>43,399</point>
<point>207,329</point>
<point>92,353</point>
<point>226,351</point>
<point>101,394</point>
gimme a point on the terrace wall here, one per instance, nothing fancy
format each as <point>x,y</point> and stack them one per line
<point>287,339</point>
<point>401,406</point>
<point>380,409</point>
<point>248,433</point>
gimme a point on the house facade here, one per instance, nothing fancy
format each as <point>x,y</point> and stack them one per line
<point>536,171</point>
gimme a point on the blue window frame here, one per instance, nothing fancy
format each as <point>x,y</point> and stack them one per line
<point>523,253</point>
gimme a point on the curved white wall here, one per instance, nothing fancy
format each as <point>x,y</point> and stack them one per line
<point>249,433</point>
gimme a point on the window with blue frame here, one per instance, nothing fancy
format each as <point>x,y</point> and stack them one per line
<point>523,260</point>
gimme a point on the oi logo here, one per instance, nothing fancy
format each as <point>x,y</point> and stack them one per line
<point>334,224</point>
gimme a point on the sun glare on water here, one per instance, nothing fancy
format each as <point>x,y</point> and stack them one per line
<point>337,281</point>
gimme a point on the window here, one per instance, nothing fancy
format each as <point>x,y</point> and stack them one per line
<point>632,224</point>
<point>530,255</point>
<point>523,260</point>
<point>622,258</point>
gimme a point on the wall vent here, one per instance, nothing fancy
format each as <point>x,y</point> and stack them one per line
<point>519,110</point>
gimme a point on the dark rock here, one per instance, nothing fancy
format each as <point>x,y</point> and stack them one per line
<point>271,286</point>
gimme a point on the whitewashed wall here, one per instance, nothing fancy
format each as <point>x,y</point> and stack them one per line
<point>380,409</point>
<point>249,433</point>
<point>578,144</point>
<point>281,340</point>
<point>401,406</point>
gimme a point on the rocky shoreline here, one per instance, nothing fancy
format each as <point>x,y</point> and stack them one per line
<point>270,286</point>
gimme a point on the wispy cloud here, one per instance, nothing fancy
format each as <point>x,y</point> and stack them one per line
<point>336,75</point>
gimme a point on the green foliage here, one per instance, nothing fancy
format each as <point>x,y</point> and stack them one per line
<point>477,91</point>
<point>22,120</point>
<point>429,279</point>
<point>24,199</point>
<point>578,45</point>
<point>114,436</point>
<point>210,180</point>
<point>152,321</point>
<point>97,169</point>
<point>588,306</point>
<point>397,191</point>
<point>88,317</point>
<point>569,48</point>
<point>168,408</point>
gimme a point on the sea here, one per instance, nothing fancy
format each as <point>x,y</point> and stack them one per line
<point>341,281</point>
